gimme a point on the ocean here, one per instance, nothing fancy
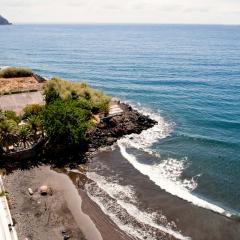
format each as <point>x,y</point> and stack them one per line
<point>187,77</point>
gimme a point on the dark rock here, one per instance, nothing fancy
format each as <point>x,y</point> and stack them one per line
<point>113,128</point>
<point>4,21</point>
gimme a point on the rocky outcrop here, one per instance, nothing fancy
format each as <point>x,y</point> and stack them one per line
<point>4,21</point>
<point>111,129</point>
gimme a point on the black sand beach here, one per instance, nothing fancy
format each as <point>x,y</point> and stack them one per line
<point>69,209</point>
<point>192,221</point>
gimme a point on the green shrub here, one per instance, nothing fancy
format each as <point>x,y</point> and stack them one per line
<point>58,88</point>
<point>66,122</point>
<point>11,115</point>
<point>15,72</point>
<point>8,133</point>
<point>32,110</point>
<point>51,95</point>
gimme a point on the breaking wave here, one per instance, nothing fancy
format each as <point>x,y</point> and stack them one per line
<point>120,204</point>
<point>167,173</point>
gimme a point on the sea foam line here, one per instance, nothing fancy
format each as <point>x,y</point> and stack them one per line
<point>152,171</point>
<point>122,195</point>
<point>158,173</point>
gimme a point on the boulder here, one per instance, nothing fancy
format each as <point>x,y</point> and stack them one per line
<point>44,190</point>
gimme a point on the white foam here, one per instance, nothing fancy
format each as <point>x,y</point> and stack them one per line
<point>172,170</point>
<point>167,181</point>
<point>148,137</point>
<point>113,189</point>
<point>124,197</point>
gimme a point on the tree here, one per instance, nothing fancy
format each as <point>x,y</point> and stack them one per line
<point>66,121</point>
<point>35,124</point>
<point>24,134</point>
<point>8,133</point>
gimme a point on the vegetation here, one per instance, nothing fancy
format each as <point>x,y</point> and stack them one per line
<point>18,130</point>
<point>67,121</point>
<point>32,110</point>
<point>15,72</point>
<point>64,119</point>
<point>8,133</point>
<point>65,90</point>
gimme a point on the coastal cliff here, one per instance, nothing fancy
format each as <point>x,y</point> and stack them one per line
<point>4,21</point>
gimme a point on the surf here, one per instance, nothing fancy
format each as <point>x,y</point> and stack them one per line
<point>167,173</point>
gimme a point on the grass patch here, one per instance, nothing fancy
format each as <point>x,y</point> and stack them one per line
<point>66,90</point>
<point>15,72</point>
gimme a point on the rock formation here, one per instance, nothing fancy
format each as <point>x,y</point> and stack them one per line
<point>4,21</point>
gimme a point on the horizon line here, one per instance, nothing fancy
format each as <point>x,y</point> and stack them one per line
<point>121,23</point>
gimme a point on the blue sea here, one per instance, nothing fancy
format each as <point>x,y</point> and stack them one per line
<point>185,76</point>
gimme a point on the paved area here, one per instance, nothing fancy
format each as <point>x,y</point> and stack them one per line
<point>16,102</point>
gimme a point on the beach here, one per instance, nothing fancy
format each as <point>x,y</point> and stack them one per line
<point>64,211</point>
<point>78,207</point>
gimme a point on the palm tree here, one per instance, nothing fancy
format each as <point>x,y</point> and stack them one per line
<point>35,124</point>
<point>8,133</point>
<point>24,135</point>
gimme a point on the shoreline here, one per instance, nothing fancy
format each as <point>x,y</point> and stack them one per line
<point>205,224</point>
<point>31,211</point>
<point>73,211</point>
<point>69,209</point>
<point>81,215</point>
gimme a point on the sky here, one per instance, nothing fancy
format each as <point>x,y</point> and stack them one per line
<point>122,11</point>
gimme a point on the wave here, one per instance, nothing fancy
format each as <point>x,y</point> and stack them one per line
<point>150,136</point>
<point>170,185</point>
<point>119,203</point>
<point>166,174</point>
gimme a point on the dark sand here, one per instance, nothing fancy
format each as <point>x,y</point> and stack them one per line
<point>45,217</point>
<point>195,222</point>
<point>70,209</point>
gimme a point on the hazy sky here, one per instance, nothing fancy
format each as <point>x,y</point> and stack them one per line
<point>121,11</point>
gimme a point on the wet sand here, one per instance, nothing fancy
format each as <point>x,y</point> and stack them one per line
<point>195,222</point>
<point>67,210</point>
<point>70,210</point>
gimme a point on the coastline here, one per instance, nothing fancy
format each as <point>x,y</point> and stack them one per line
<point>205,224</point>
<point>74,211</point>
<point>33,213</point>
<point>80,214</point>
<point>69,209</point>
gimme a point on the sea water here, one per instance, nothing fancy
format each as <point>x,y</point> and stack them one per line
<point>187,77</point>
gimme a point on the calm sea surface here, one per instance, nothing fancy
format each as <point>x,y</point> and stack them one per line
<point>187,76</point>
